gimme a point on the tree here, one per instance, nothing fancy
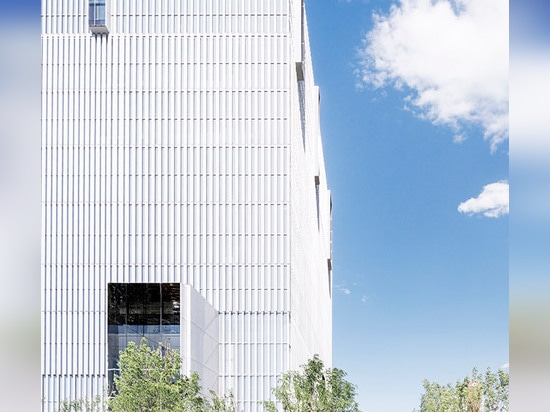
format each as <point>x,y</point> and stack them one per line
<point>83,405</point>
<point>484,393</point>
<point>475,393</point>
<point>221,403</point>
<point>438,398</point>
<point>314,389</point>
<point>150,381</point>
<point>497,387</point>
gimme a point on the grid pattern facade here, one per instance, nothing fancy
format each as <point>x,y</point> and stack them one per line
<point>175,149</point>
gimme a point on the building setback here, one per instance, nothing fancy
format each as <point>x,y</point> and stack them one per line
<point>184,196</point>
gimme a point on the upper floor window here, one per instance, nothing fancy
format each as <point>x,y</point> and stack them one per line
<point>98,16</point>
<point>317,188</point>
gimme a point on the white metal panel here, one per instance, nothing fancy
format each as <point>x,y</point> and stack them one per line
<point>167,157</point>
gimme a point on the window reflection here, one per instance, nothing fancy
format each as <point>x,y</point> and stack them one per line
<point>142,310</point>
<point>97,13</point>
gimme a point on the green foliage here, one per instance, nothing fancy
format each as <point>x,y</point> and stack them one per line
<point>438,398</point>
<point>496,391</point>
<point>150,381</point>
<point>83,405</point>
<point>475,393</point>
<point>221,404</point>
<point>314,389</point>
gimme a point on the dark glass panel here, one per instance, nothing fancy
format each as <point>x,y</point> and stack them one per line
<point>170,304</point>
<point>141,310</point>
<point>117,304</point>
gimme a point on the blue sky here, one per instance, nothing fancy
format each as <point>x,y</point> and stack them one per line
<point>421,289</point>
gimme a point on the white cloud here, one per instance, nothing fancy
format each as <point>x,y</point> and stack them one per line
<point>493,201</point>
<point>346,291</point>
<point>451,55</point>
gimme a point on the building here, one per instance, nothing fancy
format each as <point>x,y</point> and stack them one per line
<point>184,195</point>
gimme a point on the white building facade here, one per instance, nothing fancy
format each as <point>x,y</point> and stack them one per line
<point>181,149</point>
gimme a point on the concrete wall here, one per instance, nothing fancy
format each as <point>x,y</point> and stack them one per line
<point>199,338</point>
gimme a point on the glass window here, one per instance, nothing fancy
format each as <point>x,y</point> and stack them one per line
<point>317,183</point>
<point>141,310</point>
<point>97,13</point>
